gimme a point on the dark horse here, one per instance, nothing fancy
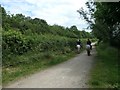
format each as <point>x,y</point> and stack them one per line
<point>88,48</point>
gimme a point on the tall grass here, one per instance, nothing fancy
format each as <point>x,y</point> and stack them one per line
<point>32,62</point>
<point>105,72</point>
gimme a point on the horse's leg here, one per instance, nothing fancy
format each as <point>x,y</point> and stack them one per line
<point>88,52</point>
<point>78,50</point>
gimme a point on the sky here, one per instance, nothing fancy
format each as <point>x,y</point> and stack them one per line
<point>60,12</point>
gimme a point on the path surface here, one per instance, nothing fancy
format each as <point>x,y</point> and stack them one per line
<point>70,74</point>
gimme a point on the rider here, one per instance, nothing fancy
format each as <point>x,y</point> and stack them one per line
<point>79,45</point>
<point>89,43</point>
<point>78,42</point>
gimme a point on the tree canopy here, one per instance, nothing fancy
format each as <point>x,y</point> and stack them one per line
<point>103,19</point>
<point>27,25</point>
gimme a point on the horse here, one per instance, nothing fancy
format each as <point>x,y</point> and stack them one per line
<point>88,48</point>
<point>78,48</point>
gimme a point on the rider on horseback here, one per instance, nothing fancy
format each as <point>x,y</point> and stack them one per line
<point>89,43</point>
<point>88,47</point>
<point>78,45</point>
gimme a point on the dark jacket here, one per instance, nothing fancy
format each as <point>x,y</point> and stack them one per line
<point>78,42</point>
<point>89,42</point>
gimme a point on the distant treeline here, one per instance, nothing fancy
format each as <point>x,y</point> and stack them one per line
<point>29,26</point>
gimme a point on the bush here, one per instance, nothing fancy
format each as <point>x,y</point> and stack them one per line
<point>14,42</point>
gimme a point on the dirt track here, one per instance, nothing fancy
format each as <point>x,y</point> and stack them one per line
<point>70,74</point>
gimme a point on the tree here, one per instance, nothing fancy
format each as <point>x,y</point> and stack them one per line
<point>103,19</point>
<point>75,30</point>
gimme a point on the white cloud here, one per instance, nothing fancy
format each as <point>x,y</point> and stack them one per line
<point>61,12</point>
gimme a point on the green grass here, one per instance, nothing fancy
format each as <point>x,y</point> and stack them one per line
<point>105,71</point>
<point>32,62</point>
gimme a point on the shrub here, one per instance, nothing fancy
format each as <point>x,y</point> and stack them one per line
<point>14,42</point>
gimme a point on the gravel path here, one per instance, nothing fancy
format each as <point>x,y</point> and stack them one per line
<point>70,74</point>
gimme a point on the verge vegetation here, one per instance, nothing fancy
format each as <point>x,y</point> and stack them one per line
<point>105,73</point>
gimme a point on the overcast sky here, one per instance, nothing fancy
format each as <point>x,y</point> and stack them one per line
<point>61,12</point>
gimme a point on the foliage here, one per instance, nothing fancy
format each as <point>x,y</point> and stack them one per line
<point>105,73</point>
<point>103,18</point>
<point>14,42</point>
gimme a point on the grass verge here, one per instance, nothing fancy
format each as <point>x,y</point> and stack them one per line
<point>32,62</point>
<point>105,71</point>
